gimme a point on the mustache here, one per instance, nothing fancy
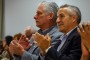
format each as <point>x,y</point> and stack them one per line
<point>36,21</point>
<point>60,24</point>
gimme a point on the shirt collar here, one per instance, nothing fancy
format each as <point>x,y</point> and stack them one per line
<point>66,35</point>
<point>71,31</point>
<point>46,30</point>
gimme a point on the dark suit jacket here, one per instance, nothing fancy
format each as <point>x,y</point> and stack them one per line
<point>71,50</point>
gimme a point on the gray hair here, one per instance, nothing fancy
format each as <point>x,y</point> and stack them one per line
<point>50,7</point>
<point>73,11</point>
<point>31,29</point>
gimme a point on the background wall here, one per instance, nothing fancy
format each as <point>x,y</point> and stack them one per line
<point>19,13</point>
<point>1,3</point>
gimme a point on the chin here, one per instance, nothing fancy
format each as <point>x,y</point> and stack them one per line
<point>37,25</point>
<point>61,30</point>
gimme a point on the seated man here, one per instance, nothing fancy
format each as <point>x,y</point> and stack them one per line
<point>45,18</point>
<point>69,46</point>
<point>84,31</point>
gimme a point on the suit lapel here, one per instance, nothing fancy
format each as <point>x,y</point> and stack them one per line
<point>67,41</point>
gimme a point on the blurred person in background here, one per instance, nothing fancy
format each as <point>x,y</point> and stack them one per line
<point>6,53</point>
<point>29,31</point>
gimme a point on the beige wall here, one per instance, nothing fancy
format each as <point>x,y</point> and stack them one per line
<point>0,19</point>
<point>19,13</point>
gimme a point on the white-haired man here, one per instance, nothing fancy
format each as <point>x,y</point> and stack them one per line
<point>45,18</point>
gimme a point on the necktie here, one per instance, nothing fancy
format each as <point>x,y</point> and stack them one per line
<point>57,44</point>
<point>63,39</point>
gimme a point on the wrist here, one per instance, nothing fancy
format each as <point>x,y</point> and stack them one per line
<point>43,52</point>
<point>47,49</point>
<point>22,52</point>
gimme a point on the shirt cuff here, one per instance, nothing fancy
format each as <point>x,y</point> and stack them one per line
<point>42,57</point>
<point>47,49</point>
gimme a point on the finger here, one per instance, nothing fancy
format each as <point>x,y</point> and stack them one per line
<point>15,38</point>
<point>88,23</point>
<point>36,43</point>
<point>11,43</point>
<point>39,35</point>
<point>80,28</point>
<point>85,27</point>
<point>79,31</point>
<point>15,43</point>
<point>21,37</point>
<point>47,35</point>
<point>27,40</point>
<point>36,37</point>
<point>24,38</point>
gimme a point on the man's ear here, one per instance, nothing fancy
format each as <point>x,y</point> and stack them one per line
<point>51,15</point>
<point>75,18</point>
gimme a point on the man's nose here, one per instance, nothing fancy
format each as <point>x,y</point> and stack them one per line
<point>35,17</point>
<point>57,20</point>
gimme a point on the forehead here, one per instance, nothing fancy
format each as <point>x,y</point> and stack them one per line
<point>64,10</point>
<point>40,8</point>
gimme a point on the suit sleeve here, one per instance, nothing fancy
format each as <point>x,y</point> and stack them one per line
<point>29,56</point>
<point>71,52</point>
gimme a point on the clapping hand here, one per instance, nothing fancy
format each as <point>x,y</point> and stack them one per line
<point>42,41</point>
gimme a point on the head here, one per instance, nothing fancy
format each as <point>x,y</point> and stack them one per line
<point>1,47</point>
<point>68,18</point>
<point>29,31</point>
<point>46,15</point>
<point>7,40</point>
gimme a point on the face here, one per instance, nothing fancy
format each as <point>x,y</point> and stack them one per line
<point>28,32</point>
<point>41,17</point>
<point>64,20</point>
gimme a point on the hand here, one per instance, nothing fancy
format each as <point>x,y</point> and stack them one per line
<point>42,41</point>
<point>11,52</point>
<point>85,53</point>
<point>16,48</point>
<point>24,42</point>
<point>84,31</point>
